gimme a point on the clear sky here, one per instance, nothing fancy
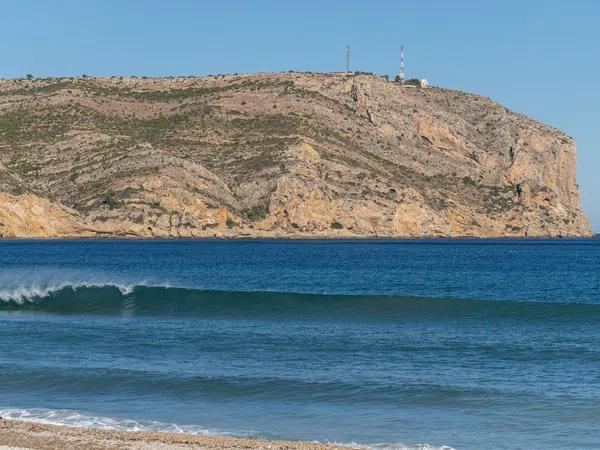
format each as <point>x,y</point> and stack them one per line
<point>540,58</point>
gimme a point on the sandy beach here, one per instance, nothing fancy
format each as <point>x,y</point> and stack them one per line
<point>30,435</point>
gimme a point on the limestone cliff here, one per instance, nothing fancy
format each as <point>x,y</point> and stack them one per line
<point>276,155</point>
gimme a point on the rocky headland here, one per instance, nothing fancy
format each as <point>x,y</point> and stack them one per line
<point>276,155</point>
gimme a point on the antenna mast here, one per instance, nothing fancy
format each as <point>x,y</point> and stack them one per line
<point>401,73</point>
<point>347,58</point>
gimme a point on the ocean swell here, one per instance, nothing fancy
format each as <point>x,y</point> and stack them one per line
<point>106,298</point>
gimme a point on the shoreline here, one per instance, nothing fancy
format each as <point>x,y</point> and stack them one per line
<point>19,434</point>
<point>407,239</point>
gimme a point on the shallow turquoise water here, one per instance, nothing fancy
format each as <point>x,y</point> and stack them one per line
<point>469,344</point>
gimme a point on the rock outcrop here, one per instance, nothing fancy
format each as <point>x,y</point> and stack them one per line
<point>276,155</point>
<point>34,217</point>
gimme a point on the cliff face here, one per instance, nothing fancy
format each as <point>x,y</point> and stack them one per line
<point>331,155</point>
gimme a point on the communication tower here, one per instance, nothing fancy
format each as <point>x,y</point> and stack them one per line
<point>400,78</point>
<point>347,58</point>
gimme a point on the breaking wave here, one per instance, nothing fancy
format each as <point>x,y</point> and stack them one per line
<point>32,293</point>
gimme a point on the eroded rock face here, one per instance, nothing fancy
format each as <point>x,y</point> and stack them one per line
<point>34,217</point>
<point>276,155</point>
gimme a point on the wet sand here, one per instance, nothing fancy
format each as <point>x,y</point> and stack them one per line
<point>29,435</point>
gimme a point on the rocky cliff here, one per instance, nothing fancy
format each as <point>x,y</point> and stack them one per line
<point>319,155</point>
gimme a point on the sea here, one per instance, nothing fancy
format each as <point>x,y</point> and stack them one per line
<point>415,344</point>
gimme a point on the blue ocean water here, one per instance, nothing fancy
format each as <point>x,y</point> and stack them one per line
<point>465,344</point>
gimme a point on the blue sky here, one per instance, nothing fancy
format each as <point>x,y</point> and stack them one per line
<point>540,58</point>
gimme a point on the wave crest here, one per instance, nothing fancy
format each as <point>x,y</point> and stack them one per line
<point>21,286</point>
<point>33,292</point>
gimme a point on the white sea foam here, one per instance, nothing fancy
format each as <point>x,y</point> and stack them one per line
<point>21,286</point>
<point>29,292</point>
<point>402,446</point>
<point>69,418</point>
